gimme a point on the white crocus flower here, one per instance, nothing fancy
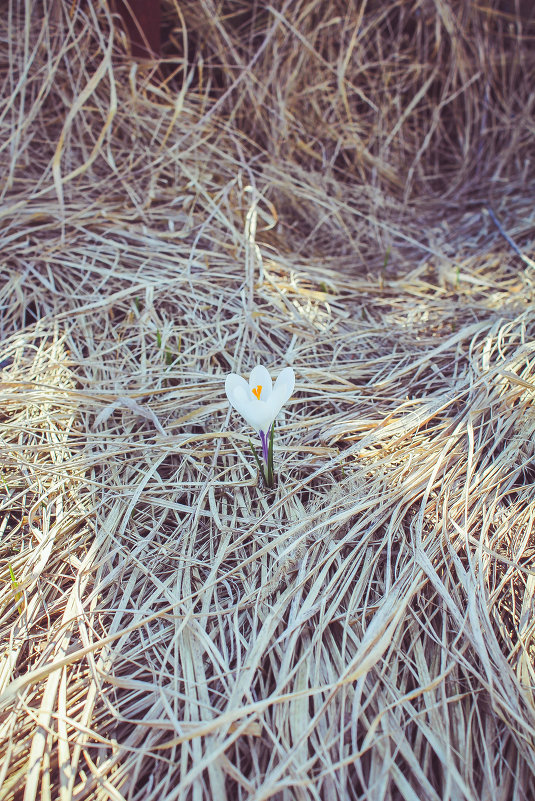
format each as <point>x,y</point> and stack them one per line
<point>258,401</point>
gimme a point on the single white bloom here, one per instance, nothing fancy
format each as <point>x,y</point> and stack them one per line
<point>258,401</point>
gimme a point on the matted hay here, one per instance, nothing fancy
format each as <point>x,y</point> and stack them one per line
<point>346,188</point>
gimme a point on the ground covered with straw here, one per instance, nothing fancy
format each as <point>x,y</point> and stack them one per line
<point>346,188</point>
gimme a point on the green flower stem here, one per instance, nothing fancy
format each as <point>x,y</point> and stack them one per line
<point>266,470</point>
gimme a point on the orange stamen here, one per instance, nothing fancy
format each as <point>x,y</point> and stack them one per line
<point>256,391</point>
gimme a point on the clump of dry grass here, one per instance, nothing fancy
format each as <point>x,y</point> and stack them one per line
<point>305,184</point>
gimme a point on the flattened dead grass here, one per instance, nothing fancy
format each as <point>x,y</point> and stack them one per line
<point>346,188</point>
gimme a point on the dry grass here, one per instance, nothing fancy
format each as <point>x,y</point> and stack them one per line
<point>307,183</point>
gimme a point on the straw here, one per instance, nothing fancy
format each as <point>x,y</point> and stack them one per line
<point>302,184</point>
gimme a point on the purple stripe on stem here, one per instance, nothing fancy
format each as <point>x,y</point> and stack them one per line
<point>264,439</point>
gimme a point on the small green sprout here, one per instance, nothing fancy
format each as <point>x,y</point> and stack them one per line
<point>18,595</point>
<point>168,355</point>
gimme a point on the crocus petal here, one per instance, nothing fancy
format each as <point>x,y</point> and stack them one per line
<point>236,387</point>
<point>258,414</point>
<point>260,377</point>
<point>284,386</point>
<point>237,390</point>
<point>285,383</point>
